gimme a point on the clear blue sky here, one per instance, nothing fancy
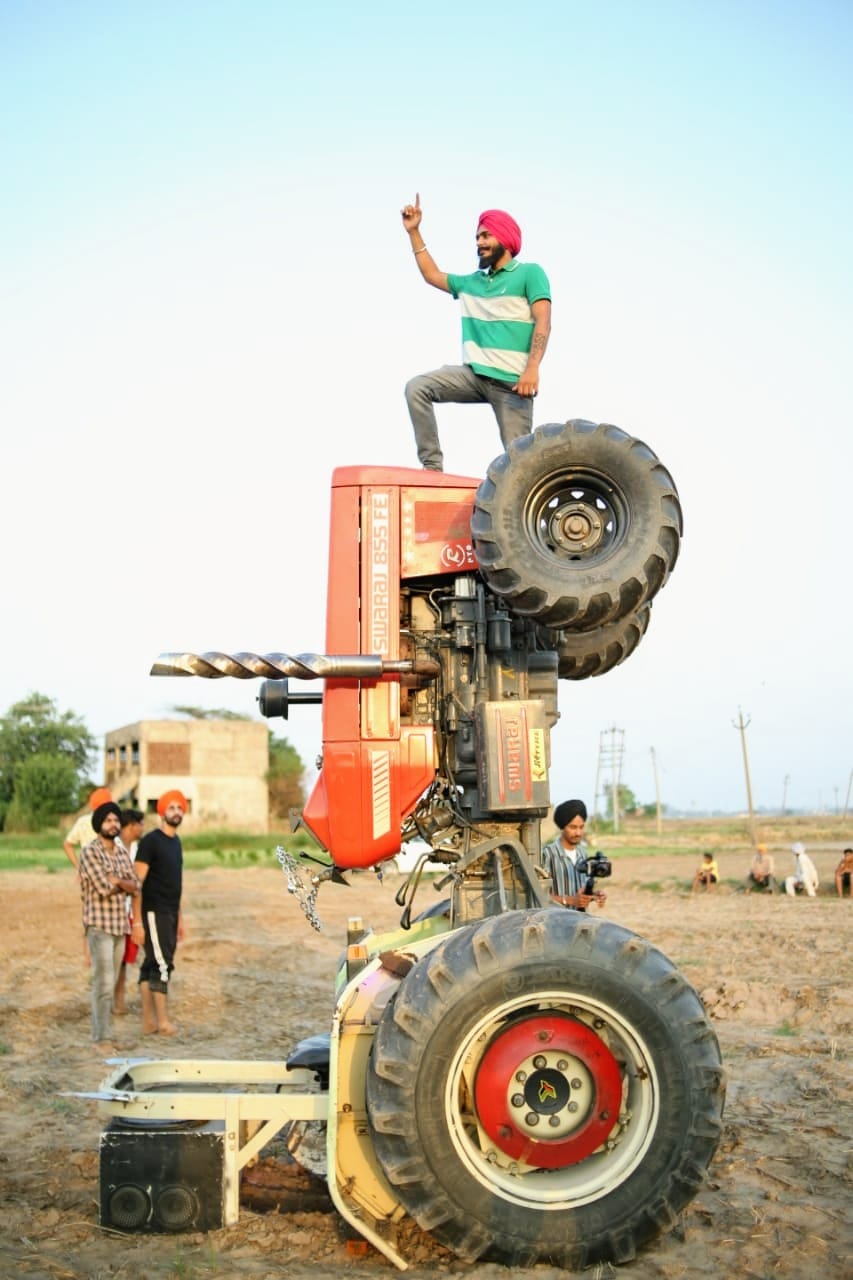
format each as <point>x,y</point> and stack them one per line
<point>208,301</point>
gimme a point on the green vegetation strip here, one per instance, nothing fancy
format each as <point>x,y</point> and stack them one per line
<point>212,849</point>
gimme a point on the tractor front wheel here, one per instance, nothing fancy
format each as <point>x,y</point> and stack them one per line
<point>576,525</point>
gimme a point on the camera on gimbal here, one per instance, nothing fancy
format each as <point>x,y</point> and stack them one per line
<point>593,868</point>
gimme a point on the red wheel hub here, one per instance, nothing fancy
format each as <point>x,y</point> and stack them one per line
<point>548,1091</point>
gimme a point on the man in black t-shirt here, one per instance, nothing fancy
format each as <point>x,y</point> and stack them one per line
<point>157,911</point>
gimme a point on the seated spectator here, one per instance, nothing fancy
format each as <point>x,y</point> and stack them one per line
<point>706,873</point>
<point>762,871</point>
<point>805,877</point>
<point>844,874</point>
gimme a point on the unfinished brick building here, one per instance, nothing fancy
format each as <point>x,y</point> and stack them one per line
<point>220,765</point>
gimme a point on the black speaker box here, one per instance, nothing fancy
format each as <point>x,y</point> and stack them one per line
<point>166,1178</point>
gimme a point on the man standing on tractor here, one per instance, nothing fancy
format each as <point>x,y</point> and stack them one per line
<point>506,321</point>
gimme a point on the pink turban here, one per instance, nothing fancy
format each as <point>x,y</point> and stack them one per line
<point>503,228</point>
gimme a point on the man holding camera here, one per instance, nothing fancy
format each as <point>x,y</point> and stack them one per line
<point>567,862</point>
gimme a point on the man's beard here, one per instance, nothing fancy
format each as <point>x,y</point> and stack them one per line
<point>489,260</point>
<point>176,821</point>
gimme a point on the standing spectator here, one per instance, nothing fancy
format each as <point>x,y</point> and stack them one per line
<point>131,832</point>
<point>844,874</point>
<point>564,857</point>
<point>106,878</point>
<point>83,832</point>
<point>706,873</point>
<point>805,877</point>
<point>157,911</point>
<point>762,871</point>
<point>506,321</point>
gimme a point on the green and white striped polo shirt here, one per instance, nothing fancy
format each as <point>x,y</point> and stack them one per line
<point>497,321</point>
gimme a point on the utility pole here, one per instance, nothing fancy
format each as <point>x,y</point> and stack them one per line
<point>847,800</point>
<point>659,827</point>
<point>610,758</point>
<point>741,725</point>
<point>785,781</point>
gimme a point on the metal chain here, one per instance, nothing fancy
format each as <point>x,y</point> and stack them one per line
<point>296,884</point>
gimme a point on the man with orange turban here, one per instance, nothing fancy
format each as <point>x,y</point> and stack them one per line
<point>157,911</point>
<point>506,321</point>
<point>83,832</point>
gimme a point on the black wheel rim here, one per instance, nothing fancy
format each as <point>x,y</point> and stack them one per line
<point>577,516</point>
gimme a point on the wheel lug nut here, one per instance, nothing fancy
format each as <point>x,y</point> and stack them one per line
<point>573,1106</point>
<point>531,1118</point>
<point>521,1076</point>
<point>553,1121</point>
<point>576,1084</point>
<point>539,1061</point>
<point>562,1064</point>
<point>518,1099</point>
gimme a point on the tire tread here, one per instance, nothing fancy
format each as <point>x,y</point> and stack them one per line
<point>482,954</point>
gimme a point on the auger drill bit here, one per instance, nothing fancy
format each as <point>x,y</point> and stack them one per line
<point>302,666</point>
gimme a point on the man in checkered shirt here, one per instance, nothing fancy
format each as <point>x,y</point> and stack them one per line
<point>107,875</point>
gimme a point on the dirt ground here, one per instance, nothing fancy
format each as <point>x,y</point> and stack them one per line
<point>252,979</point>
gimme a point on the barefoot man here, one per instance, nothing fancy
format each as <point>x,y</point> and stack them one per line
<point>157,911</point>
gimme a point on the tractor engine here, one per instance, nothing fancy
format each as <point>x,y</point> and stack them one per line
<point>491,706</point>
<point>454,751</point>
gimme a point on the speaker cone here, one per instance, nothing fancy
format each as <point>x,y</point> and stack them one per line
<point>176,1208</point>
<point>129,1207</point>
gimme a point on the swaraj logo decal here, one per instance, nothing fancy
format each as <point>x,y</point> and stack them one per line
<point>547,1092</point>
<point>458,555</point>
<point>538,757</point>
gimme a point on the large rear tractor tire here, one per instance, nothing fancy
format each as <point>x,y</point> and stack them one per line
<point>545,1087</point>
<point>576,525</point>
<point>591,653</point>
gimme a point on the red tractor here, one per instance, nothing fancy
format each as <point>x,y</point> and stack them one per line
<point>528,1082</point>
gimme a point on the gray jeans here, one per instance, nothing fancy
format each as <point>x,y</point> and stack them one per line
<point>459,384</point>
<point>107,952</point>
